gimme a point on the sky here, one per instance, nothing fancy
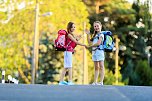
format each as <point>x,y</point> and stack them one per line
<point>131,1</point>
<point>142,1</point>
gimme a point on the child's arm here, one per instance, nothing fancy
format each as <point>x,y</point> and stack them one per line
<point>88,36</point>
<point>74,40</point>
<point>98,42</point>
<point>88,39</point>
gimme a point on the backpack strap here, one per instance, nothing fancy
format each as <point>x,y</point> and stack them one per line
<point>66,41</point>
<point>100,47</point>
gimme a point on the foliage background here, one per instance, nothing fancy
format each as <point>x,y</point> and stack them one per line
<point>132,23</point>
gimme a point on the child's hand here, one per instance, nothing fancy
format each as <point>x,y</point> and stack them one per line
<point>78,37</point>
<point>87,31</point>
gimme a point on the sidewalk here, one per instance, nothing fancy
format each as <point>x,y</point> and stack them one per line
<point>21,92</point>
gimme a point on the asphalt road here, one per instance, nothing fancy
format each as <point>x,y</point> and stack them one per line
<point>23,92</point>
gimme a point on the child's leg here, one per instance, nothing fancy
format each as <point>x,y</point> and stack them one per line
<point>96,71</point>
<point>70,74</point>
<point>102,71</point>
<point>63,74</point>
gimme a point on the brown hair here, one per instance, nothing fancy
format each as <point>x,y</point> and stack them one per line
<point>69,26</point>
<point>94,33</point>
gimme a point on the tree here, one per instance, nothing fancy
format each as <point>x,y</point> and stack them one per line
<point>51,62</point>
<point>17,52</point>
<point>132,25</point>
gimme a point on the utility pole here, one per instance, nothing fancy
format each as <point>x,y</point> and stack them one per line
<point>97,4</point>
<point>117,60</point>
<point>36,43</point>
<point>85,62</point>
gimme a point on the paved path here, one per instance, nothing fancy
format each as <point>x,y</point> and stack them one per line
<point>21,92</point>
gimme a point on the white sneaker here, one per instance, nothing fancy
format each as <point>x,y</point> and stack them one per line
<point>94,83</point>
<point>100,83</point>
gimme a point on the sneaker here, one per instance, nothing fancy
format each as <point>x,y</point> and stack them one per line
<point>94,83</point>
<point>63,83</point>
<point>100,83</point>
<point>70,83</point>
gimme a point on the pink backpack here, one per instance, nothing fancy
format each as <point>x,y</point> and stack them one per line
<point>63,43</point>
<point>60,42</point>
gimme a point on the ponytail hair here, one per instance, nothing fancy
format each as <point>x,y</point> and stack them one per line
<point>94,34</point>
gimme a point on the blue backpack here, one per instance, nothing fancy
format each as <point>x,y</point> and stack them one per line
<point>108,43</point>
